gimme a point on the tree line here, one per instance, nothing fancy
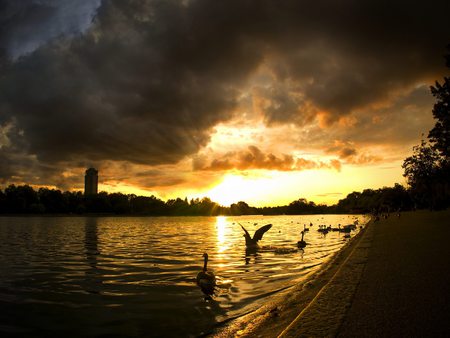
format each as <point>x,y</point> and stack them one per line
<point>25,200</point>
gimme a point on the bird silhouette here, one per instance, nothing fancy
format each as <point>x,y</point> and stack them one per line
<point>252,243</point>
<point>206,279</point>
<point>301,243</point>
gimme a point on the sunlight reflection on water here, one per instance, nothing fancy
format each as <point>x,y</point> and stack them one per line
<point>135,276</point>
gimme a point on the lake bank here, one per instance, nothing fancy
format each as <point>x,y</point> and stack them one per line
<point>284,311</point>
<point>388,275</point>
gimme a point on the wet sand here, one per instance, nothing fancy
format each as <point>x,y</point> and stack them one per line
<point>393,280</point>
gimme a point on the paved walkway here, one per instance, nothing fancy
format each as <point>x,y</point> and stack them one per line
<point>393,281</point>
<point>404,290</point>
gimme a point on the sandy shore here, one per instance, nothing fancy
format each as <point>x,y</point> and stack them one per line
<point>357,293</point>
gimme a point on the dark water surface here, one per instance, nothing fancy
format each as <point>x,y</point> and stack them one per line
<point>133,276</point>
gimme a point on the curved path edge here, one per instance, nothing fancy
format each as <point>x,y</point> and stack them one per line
<point>315,308</point>
<point>323,316</point>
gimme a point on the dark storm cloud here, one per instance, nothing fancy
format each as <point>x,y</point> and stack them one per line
<point>25,25</point>
<point>124,92</point>
<point>155,178</point>
<point>147,81</point>
<point>13,159</point>
<point>359,53</point>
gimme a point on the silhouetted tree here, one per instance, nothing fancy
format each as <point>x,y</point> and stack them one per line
<point>20,199</point>
<point>75,202</point>
<point>52,201</point>
<point>397,198</point>
<point>427,171</point>
<point>98,203</point>
<point>350,203</point>
<point>119,203</point>
<point>301,207</point>
<point>242,208</point>
<point>439,136</point>
<point>2,202</point>
<point>386,199</point>
<point>181,207</point>
<point>421,171</point>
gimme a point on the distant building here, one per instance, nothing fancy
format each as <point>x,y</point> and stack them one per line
<point>91,182</point>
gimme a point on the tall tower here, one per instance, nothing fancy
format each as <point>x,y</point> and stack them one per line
<point>91,182</point>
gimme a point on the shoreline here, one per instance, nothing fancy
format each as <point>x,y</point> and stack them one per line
<point>281,313</point>
<point>148,215</point>
<point>369,288</point>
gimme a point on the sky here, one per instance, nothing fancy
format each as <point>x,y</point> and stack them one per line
<point>264,101</point>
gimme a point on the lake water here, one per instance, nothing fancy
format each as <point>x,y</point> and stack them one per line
<point>135,276</point>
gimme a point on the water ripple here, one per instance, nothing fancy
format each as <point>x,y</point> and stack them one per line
<point>136,276</point>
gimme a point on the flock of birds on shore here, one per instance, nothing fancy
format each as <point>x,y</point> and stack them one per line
<point>206,279</point>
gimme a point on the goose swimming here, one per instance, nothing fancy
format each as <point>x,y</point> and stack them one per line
<point>323,229</point>
<point>206,279</point>
<point>301,243</point>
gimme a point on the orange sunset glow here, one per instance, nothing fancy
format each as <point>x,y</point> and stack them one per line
<point>224,168</point>
<point>230,110</point>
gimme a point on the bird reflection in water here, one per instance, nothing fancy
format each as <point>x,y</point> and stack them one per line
<point>251,253</point>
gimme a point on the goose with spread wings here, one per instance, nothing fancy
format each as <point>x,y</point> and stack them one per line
<point>252,243</point>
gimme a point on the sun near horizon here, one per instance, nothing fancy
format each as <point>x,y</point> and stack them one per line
<point>261,188</point>
<point>281,188</point>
